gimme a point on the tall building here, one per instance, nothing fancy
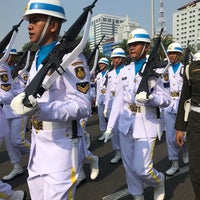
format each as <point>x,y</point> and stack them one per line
<point>125,29</point>
<point>103,24</point>
<point>186,24</point>
<point>114,28</point>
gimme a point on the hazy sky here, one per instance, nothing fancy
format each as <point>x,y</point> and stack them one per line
<point>138,11</point>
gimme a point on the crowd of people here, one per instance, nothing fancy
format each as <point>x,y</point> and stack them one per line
<point>127,116</point>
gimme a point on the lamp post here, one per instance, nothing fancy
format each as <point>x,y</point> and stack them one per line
<point>152,19</point>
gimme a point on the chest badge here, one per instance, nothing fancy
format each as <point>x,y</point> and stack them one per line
<point>4,78</point>
<point>166,77</point>
<point>80,73</point>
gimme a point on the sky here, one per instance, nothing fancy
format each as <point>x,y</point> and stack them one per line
<point>138,11</point>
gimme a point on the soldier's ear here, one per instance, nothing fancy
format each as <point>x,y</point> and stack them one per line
<point>54,25</point>
<point>147,47</point>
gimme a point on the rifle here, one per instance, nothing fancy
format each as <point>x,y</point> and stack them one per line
<point>188,55</point>
<point>54,60</point>
<point>150,66</point>
<point>92,54</point>
<point>5,41</point>
<point>19,65</point>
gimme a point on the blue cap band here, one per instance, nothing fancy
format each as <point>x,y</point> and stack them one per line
<point>45,6</point>
<point>146,36</point>
<point>13,51</point>
<point>119,53</point>
<point>178,49</point>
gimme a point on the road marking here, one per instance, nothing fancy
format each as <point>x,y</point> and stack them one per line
<point>124,192</point>
<point>117,195</point>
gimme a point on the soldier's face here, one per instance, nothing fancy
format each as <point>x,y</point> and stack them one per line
<point>174,57</point>
<point>137,50</point>
<point>116,61</point>
<point>102,66</point>
<point>36,25</point>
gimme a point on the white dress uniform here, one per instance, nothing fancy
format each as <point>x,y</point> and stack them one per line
<point>113,77</point>
<point>100,99</point>
<point>6,96</point>
<point>175,82</point>
<point>138,126</point>
<point>92,90</point>
<point>51,162</point>
<point>16,142</point>
<point>93,95</point>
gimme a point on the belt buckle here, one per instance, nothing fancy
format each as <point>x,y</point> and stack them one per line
<point>103,91</point>
<point>37,125</point>
<point>174,94</point>
<point>133,107</point>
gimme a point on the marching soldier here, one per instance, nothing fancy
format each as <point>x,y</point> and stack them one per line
<point>6,95</point>
<point>118,57</point>
<point>100,93</point>
<point>135,115</point>
<point>55,158</point>
<point>15,140</point>
<point>174,79</point>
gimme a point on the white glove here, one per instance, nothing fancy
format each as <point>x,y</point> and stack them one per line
<point>19,108</point>
<point>143,98</point>
<point>108,134</point>
<point>83,123</point>
<point>105,112</point>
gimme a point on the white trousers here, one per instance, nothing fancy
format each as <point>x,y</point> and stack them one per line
<point>54,186</point>
<point>5,189</point>
<point>137,160</point>
<point>102,119</point>
<point>172,147</point>
<point>16,141</point>
<point>115,138</point>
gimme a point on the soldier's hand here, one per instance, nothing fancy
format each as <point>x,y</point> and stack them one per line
<point>19,108</point>
<point>105,112</point>
<point>108,134</point>
<point>179,138</point>
<point>142,97</point>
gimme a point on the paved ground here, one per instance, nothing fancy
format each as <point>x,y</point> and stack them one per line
<point>111,182</point>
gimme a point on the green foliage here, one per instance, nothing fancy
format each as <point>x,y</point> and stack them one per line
<point>124,46</point>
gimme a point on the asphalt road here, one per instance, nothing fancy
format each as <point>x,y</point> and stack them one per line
<point>111,182</point>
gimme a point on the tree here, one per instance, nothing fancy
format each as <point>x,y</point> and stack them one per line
<point>124,46</point>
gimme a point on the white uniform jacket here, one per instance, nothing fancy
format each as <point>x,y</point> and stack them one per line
<point>100,88</point>
<point>111,88</point>
<point>142,123</point>
<point>175,83</point>
<point>6,95</point>
<point>92,90</point>
<point>68,99</point>
<point>18,86</point>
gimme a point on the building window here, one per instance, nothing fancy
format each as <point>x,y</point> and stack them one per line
<point>104,19</point>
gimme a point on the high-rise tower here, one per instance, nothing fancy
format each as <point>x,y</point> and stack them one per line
<point>161,23</point>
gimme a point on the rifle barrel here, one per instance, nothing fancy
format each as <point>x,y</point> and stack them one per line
<point>5,41</point>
